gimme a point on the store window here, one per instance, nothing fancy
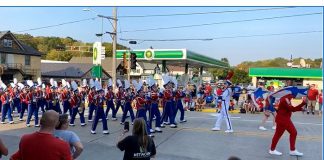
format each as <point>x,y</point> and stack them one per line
<point>27,60</point>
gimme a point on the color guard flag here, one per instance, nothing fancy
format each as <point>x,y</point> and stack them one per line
<point>295,91</point>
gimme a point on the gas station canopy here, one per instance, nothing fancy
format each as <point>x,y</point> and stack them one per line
<point>177,57</point>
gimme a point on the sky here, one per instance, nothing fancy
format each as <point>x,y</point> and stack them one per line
<point>237,50</point>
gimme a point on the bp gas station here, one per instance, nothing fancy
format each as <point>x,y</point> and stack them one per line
<point>175,57</point>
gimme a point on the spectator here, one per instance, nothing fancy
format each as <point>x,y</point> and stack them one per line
<point>312,98</point>
<point>237,92</point>
<point>231,107</point>
<point>42,144</point>
<point>271,88</point>
<point>139,145</point>
<point>320,102</point>
<point>76,146</point>
<point>3,149</point>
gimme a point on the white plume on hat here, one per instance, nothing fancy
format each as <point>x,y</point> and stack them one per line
<point>97,85</point>
<point>30,83</point>
<point>84,83</point>
<point>134,82</point>
<point>91,83</point>
<point>39,81</point>
<point>55,84</point>
<point>52,82</point>
<point>43,86</point>
<point>15,81</point>
<point>150,81</point>
<point>74,86</point>
<point>127,84</point>
<point>3,86</point>
<point>120,84</point>
<point>68,85</point>
<point>64,83</point>
<point>139,85</point>
<point>110,83</point>
<point>20,86</point>
<point>12,85</point>
<point>165,79</point>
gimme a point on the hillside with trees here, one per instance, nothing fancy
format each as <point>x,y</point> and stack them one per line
<point>49,46</point>
<point>241,71</point>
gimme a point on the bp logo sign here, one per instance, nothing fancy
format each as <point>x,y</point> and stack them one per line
<point>149,54</point>
<point>95,54</point>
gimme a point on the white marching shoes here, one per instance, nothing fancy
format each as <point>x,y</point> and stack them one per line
<point>262,128</point>
<point>229,131</point>
<point>275,152</point>
<point>295,153</point>
<point>215,129</point>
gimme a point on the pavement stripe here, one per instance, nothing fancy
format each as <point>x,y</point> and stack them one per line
<point>252,134</point>
<point>247,120</point>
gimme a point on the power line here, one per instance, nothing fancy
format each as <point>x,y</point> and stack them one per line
<point>225,22</point>
<point>224,37</point>
<point>60,24</point>
<point>202,13</point>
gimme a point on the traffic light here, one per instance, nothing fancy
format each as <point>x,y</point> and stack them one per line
<point>124,60</point>
<point>133,60</point>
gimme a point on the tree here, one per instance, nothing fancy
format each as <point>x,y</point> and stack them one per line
<point>240,76</point>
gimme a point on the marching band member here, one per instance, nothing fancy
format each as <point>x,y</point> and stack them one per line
<point>225,101</point>
<point>284,122</point>
<point>39,95</point>
<point>154,106</point>
<point>119,98</point>
<point>6,99</point>
<point>168,112</point>
<point>15,96</point>
<point>110,101</point>
<point>100,114</point>
<point>91,94</point>
<point>140,104</point>
<point>178,98</point>
<point>65,96</point>
<point>23,100</point>
<point>32,106</point>
<point>75,102</point>
<point>52,98</point>
<point>129,96</point>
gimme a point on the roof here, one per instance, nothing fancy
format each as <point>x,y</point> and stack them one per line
<point>26,50</point>
<point>176,68</point>
<point>147,66</point>
<point>311,73</point>
<point>64,69</point>
<point>178,57</point>
<point>106,63</point>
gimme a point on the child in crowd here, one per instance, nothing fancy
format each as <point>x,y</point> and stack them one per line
<point>231,107</point>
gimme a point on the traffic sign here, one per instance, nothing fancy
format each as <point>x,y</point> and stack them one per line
<point>96,71</point>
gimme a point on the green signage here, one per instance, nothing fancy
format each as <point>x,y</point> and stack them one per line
<point>96,71</point>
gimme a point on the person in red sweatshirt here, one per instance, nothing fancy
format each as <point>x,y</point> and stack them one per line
<point>284,123</point>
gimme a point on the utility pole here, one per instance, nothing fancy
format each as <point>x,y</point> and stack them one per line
<point>114,46</point>
<point>128,66</point>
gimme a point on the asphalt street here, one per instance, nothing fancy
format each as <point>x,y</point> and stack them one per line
<point>194,139</point>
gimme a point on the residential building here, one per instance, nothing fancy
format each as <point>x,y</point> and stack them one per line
<point>18,60</point>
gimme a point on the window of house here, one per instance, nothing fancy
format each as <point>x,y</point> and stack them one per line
<point>7,43</point>
<point>138,71</point>
<point>27,60</point>
<point>3,58</point>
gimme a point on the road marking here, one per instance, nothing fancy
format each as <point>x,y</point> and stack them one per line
<point>247,120</point>
<point>251,134</point>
